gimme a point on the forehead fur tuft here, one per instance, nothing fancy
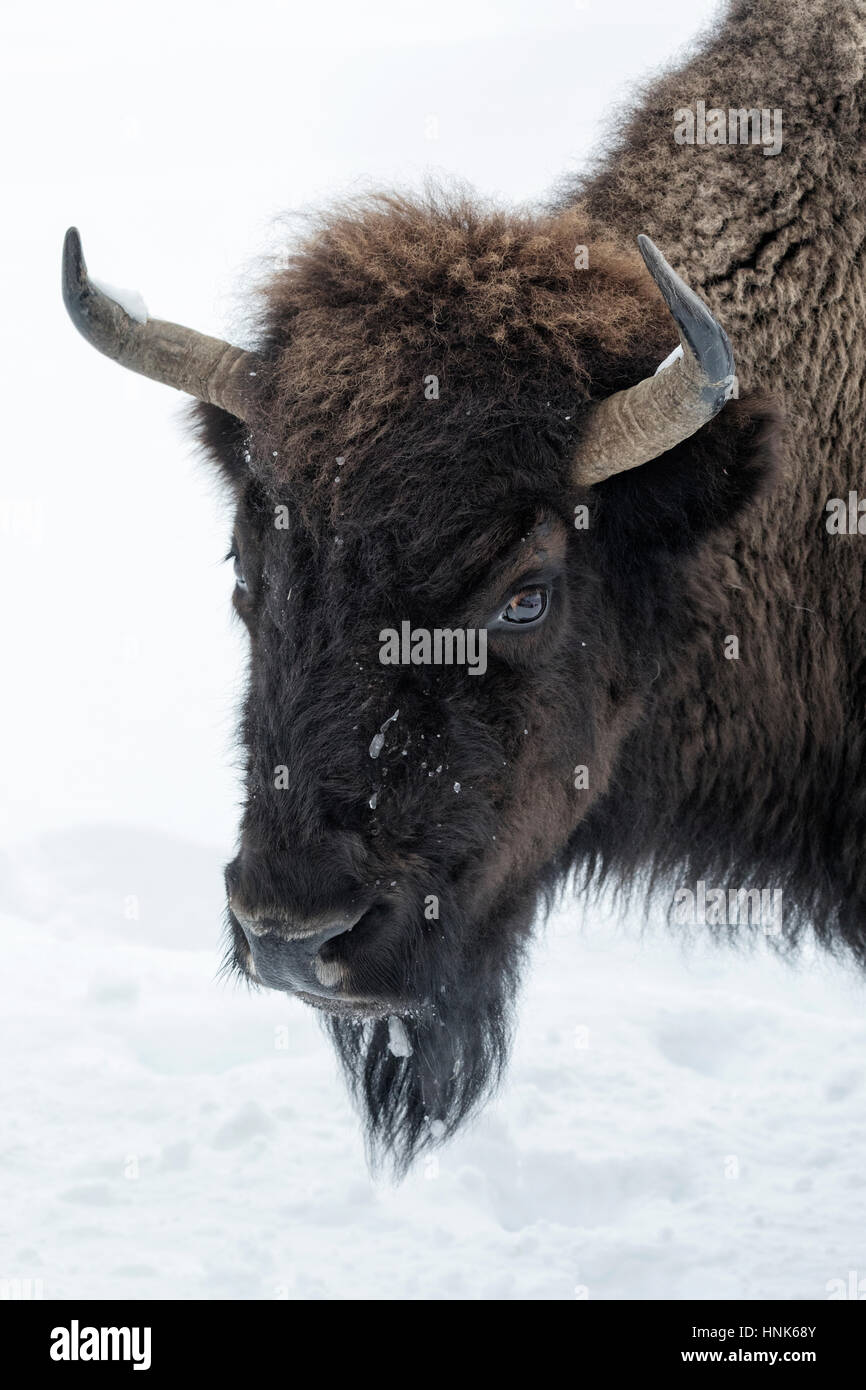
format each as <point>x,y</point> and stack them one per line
<point>437,331</point>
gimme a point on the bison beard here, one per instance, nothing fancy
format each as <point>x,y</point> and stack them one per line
<point>458,1055</point>
<point>414,1097</point>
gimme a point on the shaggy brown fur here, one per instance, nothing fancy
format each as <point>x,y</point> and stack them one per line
<point>775,246</point>
<point>747,773</point>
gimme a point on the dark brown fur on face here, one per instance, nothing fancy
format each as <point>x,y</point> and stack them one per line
<point>739,772</point>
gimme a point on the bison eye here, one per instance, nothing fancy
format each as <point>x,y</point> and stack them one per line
<point>526,607</point>
<point>240,578</point>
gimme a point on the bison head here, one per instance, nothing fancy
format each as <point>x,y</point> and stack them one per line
<point>440,430</point>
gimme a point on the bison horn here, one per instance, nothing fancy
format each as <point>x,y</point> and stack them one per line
<point>204,367</point>
<point>633,426</point>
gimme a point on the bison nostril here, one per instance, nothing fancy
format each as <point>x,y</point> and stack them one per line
<point>314,931</point>
<point>285,949</point>
<point>328,972</point>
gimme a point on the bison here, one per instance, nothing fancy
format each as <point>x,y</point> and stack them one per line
<point>461,419</point>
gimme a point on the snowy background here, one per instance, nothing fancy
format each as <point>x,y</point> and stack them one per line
<point>675,1123</point>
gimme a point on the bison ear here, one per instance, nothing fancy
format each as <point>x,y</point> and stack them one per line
<point>698,487</point>
<point>223,439</point>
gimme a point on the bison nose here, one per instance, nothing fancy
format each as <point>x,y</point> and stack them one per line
<point>285,950</point>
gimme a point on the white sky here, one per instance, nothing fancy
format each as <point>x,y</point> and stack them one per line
<point>173,137</point>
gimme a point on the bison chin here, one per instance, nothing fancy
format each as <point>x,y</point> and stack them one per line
<point>417,1077</point>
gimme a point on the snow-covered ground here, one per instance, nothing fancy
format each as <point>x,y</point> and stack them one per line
<point>674,1125</point>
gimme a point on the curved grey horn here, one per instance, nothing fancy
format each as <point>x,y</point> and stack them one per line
<point>204,367</point>
<point>633,426</point>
